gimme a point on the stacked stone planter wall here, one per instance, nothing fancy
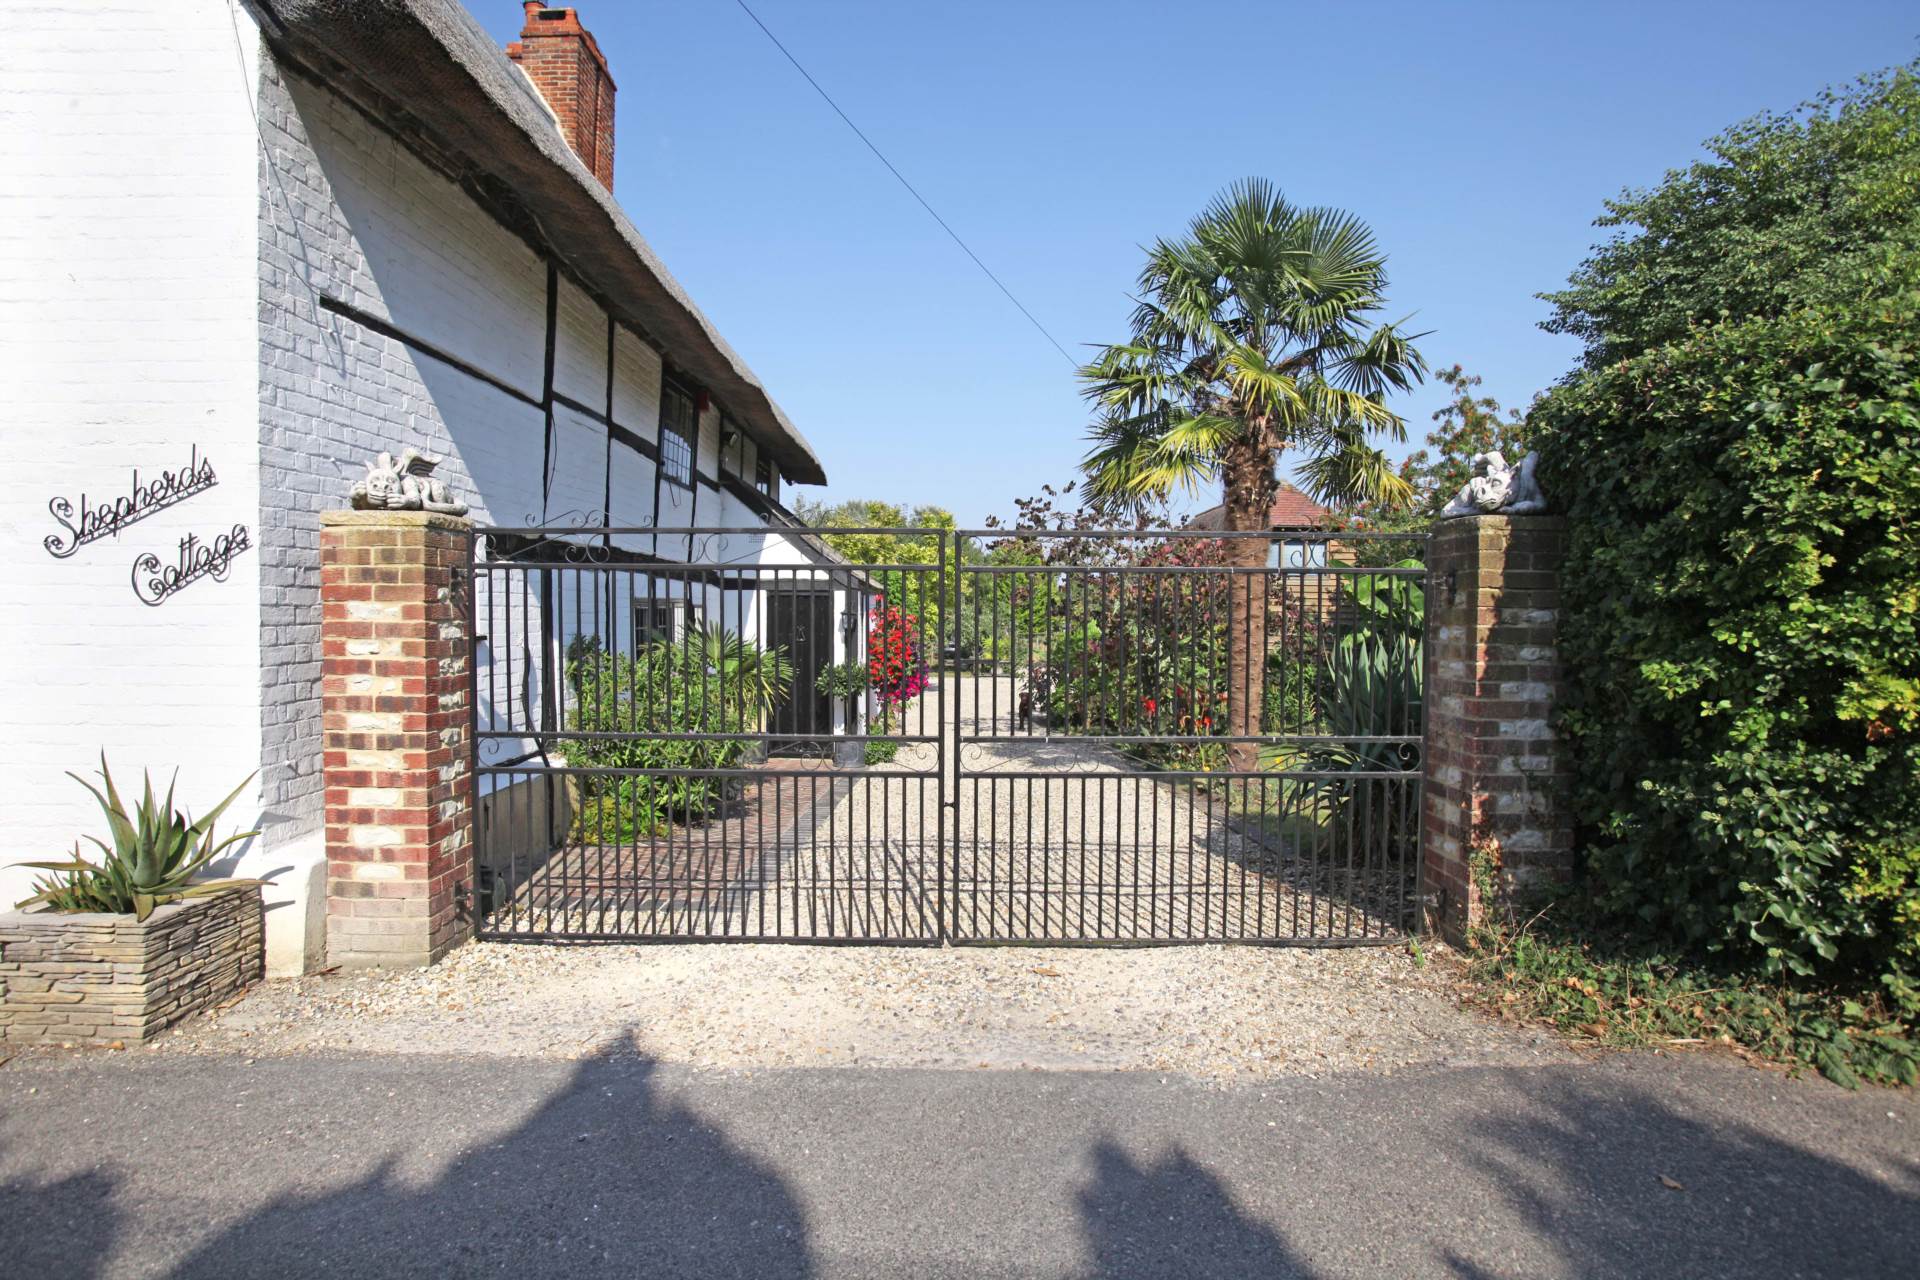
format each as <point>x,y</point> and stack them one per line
<point>95,978</point>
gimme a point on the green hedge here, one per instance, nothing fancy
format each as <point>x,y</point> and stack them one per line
<point>1740,635</point>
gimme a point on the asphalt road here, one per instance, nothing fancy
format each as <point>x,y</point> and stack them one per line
<point>125,1165</point>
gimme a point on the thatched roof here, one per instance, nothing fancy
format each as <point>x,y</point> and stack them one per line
<point>432,73</point>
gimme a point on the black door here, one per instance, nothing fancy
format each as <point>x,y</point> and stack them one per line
<point>801,624</point>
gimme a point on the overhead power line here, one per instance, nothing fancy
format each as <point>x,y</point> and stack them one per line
<point>828,99</point>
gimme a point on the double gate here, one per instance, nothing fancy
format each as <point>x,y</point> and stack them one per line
<point>969,737</point>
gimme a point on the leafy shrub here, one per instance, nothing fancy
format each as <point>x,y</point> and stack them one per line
<point>156,852</point>
<point>1291,690</point>
<point>1787,210</point>
<point>847,680</point>
<point>1133,653</point>
<point>1372,685</point>
<point>708,682</point>
<point>1742,635</point>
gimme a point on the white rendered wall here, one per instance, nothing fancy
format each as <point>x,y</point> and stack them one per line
<point>127,338</point>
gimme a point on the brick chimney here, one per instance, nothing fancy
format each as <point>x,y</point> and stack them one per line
<point>564,62</point>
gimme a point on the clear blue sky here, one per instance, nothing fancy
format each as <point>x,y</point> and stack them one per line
<point>1478,140</point>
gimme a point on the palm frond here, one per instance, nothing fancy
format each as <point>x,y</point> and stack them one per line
<point>1130,468</point>
<point>1356,473</point>
<point>1263,311</point>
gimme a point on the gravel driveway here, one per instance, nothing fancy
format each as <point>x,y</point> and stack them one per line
<point>1212,1012</point>
<point>1058,839</point>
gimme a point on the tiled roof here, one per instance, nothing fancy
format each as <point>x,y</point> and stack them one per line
<point>1292,509</point>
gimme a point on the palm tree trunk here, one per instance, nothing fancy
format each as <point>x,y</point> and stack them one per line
<point>1248,476</point>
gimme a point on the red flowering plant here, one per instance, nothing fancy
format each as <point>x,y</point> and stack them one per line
<point>896,670</point>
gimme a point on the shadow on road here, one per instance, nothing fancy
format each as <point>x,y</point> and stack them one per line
<point>58,1226</point>
<point>1582,1167</point>
<point>1173,1217</point>
<point>1522,1172</point>
<point>605,1178</point>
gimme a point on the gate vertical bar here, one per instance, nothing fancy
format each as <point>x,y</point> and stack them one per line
<point>1418,782</point>
<point>476,822</point>
<point>944,847</point>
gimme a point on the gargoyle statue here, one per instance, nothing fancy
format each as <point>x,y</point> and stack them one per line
<point>1496,487</point>
<point>404,485</point>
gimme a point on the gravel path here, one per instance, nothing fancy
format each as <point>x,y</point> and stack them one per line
<point>1212,1012</point>
<point>1059,839</point>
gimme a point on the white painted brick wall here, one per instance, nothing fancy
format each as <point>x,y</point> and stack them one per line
<point>348,212</point>
<point>636,389</point>
<point>127,305</point>
<point>580,466</point>
<point>175,209</point>
<point>676,512</point>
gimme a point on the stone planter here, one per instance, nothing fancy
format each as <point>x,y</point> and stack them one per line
<point>849,753</point>
<point>95,978</point>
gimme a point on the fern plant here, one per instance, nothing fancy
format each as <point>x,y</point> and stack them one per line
<point>156,852</point>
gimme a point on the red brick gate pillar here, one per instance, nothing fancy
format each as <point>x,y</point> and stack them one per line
<point>1496,778</point>
<point>394,726</point>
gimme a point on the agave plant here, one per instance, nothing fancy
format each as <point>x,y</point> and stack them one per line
<point>155,855</point>
<point>1372,688</point>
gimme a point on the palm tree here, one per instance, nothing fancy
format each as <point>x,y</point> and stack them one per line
<point>1253,336</point>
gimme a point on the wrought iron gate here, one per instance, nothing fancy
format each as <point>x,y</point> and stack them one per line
<point>1061,741</point>
<point>655,749</point>
<point>1124,776</point>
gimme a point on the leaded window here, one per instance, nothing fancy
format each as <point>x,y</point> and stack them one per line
<point>679,428</point>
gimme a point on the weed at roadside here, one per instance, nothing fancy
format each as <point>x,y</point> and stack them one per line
<point>1554,965</point>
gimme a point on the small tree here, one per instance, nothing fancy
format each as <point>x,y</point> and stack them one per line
<point>1467,424</point>
<point>1253,336</point>
<point>891,535</point>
